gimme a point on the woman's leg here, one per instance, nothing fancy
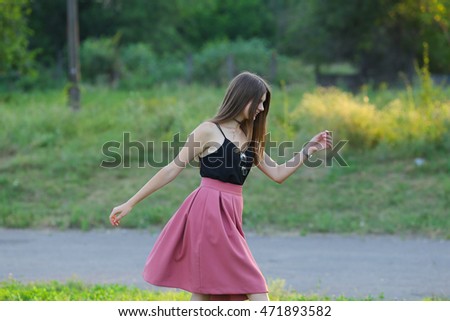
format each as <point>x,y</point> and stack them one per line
<point>258,297</point>
<point>199,297</point>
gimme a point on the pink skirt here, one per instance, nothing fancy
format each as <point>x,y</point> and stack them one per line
<point>202,249</point>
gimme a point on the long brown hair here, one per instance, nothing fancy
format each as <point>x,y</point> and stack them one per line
<point>244,88</point>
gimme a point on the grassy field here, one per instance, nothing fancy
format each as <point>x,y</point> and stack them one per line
<point>12,290</point>
<point>50,173</point>
<point>77,291</point>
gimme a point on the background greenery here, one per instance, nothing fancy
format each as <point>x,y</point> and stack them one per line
<point>140,43</point>
<point>156,69</point>
<point>12,290</point>
<point>50,173</point>
<point>77,291</point>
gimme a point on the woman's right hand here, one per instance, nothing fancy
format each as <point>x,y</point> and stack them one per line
<point>119,212</point>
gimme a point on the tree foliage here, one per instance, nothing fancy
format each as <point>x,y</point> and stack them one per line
<point>14,34</point>
<point>167,25</point>
<point>379,37</point>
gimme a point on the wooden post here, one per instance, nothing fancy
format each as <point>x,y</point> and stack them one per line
<point>73,39</point>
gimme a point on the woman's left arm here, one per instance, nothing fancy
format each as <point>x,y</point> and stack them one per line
<point>280,172</point>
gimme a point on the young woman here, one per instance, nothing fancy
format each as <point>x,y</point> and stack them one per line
<point>202,249</point>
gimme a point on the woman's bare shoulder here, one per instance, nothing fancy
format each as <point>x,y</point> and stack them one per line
<point>208,125</point>
<point>208,135</point>
<point>205,129</point>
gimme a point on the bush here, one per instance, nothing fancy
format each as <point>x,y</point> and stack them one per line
<point>132,66</point>
<point>419,129</point>
<point>104,61</point>
<point>290,71</point>
<point>397,125</point>
<point>99,59</point>
<point>218,62</point>
<point>143,68</point>
<point>341,113</point>
<point>139,64</point>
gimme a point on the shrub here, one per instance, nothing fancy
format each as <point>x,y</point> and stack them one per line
<point>398,125</point>
<point>131,66</point>
<point>341,113</point>
<point>99,59</point>
<point>290,71</point>
<point>139,64</point>
<point>415,127</point>
<point>218,62</point>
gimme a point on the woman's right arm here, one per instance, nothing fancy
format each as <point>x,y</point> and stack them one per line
<point>195,144</point>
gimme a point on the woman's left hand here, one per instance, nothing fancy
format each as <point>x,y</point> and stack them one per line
<point>322,140</point>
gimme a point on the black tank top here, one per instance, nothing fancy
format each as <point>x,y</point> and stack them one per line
<point>227,164</point>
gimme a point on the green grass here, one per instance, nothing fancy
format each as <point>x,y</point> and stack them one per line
<point>12,290</point>
<point>50,174</point>
<point>369,196</point>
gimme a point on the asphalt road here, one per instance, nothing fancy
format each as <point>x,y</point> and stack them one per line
<point>355,266</point>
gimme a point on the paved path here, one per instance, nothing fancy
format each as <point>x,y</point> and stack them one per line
<point>354,266</point>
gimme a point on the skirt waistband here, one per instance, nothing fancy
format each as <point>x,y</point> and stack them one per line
<point>221,186</point>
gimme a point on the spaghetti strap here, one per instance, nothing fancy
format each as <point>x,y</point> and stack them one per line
<point>220,130</point>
